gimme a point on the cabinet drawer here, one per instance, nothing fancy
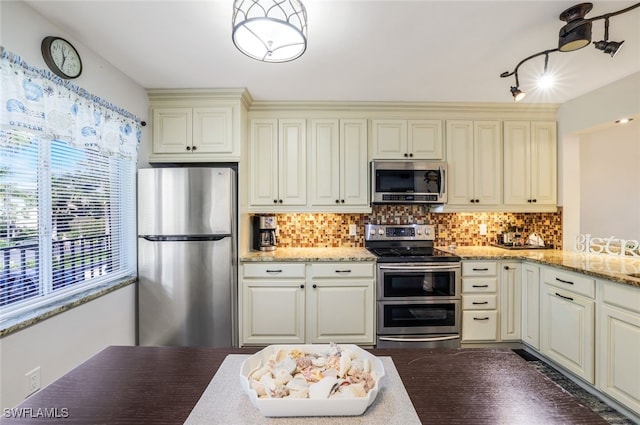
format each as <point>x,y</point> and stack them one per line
<point>479,325</point>
<point>342,270</point>
<point>621,295</point>
<point>479,284</point>
<point>479,302</point>
<point>569,282</point>
<point>479,268</point>
<point>275,270</point>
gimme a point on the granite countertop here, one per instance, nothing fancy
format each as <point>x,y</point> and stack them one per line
<point>610,267</point>
<point>310,254</point>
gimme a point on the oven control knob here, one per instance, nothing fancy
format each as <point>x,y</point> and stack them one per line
<point>372,231</point>
<point>381,232</point>
<point>419,231</point>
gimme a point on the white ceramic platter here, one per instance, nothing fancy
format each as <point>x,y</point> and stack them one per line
<point>310,407</point>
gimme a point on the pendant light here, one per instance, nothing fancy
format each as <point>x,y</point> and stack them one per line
<point>270,30</point>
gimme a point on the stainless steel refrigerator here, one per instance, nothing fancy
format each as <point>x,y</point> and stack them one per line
<point>187,257</point>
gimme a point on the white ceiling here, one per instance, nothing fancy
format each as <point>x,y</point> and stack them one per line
<point>432,51</point>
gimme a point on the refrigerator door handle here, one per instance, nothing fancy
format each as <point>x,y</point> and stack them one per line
<point>183,238</point>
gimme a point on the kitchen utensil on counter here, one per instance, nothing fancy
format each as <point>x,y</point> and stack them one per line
<point>264,233</point>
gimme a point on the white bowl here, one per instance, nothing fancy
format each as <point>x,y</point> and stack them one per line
<point>310,407</point>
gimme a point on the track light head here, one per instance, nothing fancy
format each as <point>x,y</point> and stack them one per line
<point>517,94</point>
<point>576,34</point>
<point>609,47</point>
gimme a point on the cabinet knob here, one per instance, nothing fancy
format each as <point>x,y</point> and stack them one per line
<point>275,201</point>
<point>337,202</point>
<point>314,286</point>
<point>406,155</point>
<point>342,201</point>
<point>194,148</point>
<point>410,155</point>
<point>280,201</point>
<point>534,200</point>
<point>477,201</point>
<point>506,267</point>
<point>301,286</point>
<point>529,200</point>
<point>188,148</point>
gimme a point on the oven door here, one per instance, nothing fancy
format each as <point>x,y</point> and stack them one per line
<point>423,281</point>
<point>419,317</point>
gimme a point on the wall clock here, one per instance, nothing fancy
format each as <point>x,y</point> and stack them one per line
<point>61,57</point>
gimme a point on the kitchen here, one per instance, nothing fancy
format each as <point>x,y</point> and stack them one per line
<point>23,29</point>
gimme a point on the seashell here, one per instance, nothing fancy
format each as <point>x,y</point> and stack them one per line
<point>280,356</point>
<point>258,387</point>
<point>281,376</point>
<point>298,394</point>
<point>330,372</point>
<point>345,365</point>
<point>298,383</point>
<point>269,384</point>
<point>352,391</point>
<point>319,361</point>
<point>323,388</point>
<point>366,365</point>
<point>287,363</point>
<point>259,372</point>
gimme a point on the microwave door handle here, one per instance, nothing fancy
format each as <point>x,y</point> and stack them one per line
<point>441,169</point>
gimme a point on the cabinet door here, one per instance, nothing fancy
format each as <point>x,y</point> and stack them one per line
<point>273,312</point>
<point>389,139</point>
<point>568,331</point>
<point>263,162</point>
<point>212,130</point>
<point>354,174</point>
<point>425,139</point>
<point>172,130</point>
<point>460,162</point>
<point>510,301</point>
<point>487,163</point>
<point>517,163</point>
<point>324,162</point>
<point>619,355</point>
<point>543,163</point>
<point>531,305</point>
<point>292,162</point>
<point>340,310</point>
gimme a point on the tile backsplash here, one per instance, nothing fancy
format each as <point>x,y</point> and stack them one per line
<point>332,230</point>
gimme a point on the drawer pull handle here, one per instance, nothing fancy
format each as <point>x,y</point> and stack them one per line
<point>481,318</point>
<point>479,286</point>
<point>564,281</point>
<point>480,270</point>
<point>480,303</point>
<point>343,271</point>
<point>274,271</point>
<point>562,296</point>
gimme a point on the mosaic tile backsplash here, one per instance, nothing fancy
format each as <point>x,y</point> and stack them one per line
<point>332,230</point>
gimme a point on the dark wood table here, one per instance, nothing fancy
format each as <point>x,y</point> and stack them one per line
<point>161,385</point>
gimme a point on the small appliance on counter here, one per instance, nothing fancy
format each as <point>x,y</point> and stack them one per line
<point>264,233</point>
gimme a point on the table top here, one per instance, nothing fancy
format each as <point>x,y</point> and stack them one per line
<point>161,385</point>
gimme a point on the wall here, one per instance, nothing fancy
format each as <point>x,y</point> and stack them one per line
<point>580,120</point>
<point>66,340</point>
<point>302,230</point>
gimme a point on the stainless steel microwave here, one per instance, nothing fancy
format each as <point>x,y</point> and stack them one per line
<point>408,182</point>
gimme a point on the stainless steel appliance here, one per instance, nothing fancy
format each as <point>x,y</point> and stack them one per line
<point>418,288</point>
<point>187,257</point>
<point>408,182</point>
<point>264,233</point>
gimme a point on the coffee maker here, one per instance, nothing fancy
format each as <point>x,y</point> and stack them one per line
<point>264,233</point>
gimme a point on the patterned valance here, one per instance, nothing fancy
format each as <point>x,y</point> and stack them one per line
<point>39,103</point>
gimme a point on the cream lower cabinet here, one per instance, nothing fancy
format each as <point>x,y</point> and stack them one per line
<point>479,301</point>
<point>510,300</point>
<point>568,321</point>
<point>474,157</point>
<point>341,303</point>
<point>290,303</point>
<point>338,175</point>
<point>618,349</point>
<point>530,322</point>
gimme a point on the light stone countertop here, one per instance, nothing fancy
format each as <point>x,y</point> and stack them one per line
<point>610,267</point>
<point>310,254</point>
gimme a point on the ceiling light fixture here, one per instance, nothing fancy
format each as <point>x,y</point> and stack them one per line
<point>270,30</point>
<point>575,35</point>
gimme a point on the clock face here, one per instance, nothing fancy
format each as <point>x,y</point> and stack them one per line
<point>61,57</point>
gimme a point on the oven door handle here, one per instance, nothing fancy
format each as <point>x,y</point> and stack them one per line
<point>420,268</point>
<point>435,338</point>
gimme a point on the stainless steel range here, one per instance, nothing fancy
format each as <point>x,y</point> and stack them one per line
<point>418,287</point>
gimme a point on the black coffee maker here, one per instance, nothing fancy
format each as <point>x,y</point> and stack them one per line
<point>264,233</point>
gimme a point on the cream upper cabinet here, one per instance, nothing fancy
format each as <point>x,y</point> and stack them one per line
<point>277,163</point>
<point>196,125</point>
<point>530,166</point>
<point>474,157</point>
<point>338,164</point>
<point>407,139</point>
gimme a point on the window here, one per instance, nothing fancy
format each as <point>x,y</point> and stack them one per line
<point>67,197</point>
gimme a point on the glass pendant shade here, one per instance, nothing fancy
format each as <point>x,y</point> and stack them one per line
<point>270,30</point>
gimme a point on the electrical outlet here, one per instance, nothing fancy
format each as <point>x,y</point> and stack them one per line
<point>33,380</point>
<point>483,229</point>
<point>353,230</point>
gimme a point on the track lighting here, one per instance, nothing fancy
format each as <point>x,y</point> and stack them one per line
<point>574,35</point>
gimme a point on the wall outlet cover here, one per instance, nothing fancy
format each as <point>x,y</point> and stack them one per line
<point>353,230</point>
<point>33,380</point>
